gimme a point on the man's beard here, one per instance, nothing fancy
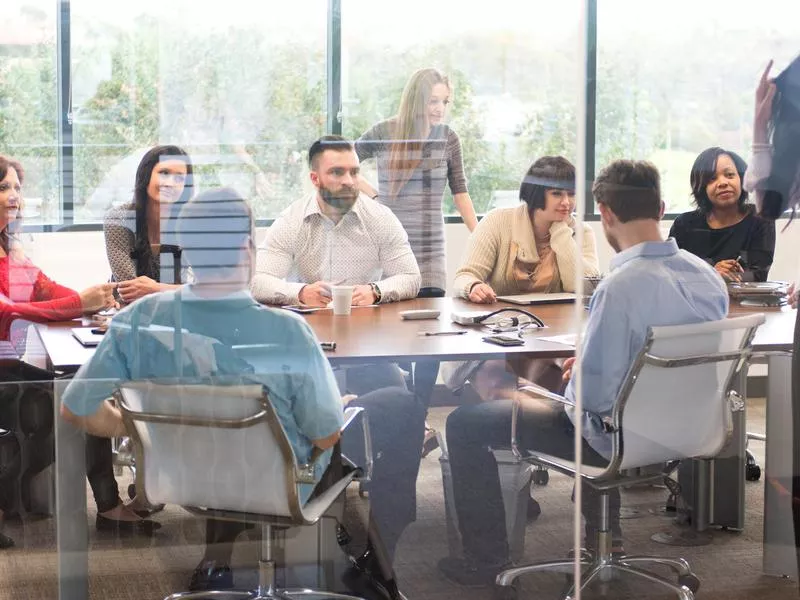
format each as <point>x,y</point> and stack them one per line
<point>343,200</point>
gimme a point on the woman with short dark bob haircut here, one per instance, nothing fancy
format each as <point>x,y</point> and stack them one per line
<point>725,230</point>
<point>136,233</point>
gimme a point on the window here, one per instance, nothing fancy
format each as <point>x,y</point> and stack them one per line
<point>514,93</point>
<point>678,79</point>
<point>242,90</point>
<point>28,102</point>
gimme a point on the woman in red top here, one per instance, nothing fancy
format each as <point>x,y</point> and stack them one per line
<point>27,293</point>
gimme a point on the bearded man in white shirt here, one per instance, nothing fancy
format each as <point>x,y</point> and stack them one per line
<point>337,237</point>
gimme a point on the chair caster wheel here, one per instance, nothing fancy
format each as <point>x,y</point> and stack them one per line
<point>752,472</point>
<point>540,477</point>
<point>132,491</point>
<point>690,581</point>
<point>504,592</point>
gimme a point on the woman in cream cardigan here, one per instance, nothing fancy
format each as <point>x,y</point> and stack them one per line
<point>530,248</point>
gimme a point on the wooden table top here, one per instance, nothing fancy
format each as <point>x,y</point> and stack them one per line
<point>378,333</point>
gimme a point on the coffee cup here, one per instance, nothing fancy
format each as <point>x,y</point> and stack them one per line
<point>342,297</point>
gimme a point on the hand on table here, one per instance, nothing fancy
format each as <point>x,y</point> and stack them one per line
<point>133,289</point>
<point>730,269</point>
<point>316,294</point>
<point>98,297</point>
<point>792,295</point>
<point>363,295</point>
<point>482,293</point>
<point>566,369</point>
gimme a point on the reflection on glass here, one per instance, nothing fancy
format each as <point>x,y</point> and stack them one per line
<point>657,100</point>
<point>28,96</point>
<point>243,90</point>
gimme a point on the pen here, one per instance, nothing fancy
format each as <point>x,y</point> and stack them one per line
<point>459,332</point>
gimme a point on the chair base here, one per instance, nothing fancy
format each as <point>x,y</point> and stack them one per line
<point>603,568</point>
<point>266,590</point>
<point>260,594</point>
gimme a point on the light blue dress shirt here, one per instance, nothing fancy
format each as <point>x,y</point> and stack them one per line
<point>232,335</point>
<point>651,284</point>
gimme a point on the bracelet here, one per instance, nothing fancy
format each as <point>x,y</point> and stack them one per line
<point>375,197</point>
<point>377,291</point>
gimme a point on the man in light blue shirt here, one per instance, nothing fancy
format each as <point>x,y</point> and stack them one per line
<point>652,283</point>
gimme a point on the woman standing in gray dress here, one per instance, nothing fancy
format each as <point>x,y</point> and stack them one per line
<point>417,155</point>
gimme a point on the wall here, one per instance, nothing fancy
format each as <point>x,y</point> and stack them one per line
<point>78,259</point>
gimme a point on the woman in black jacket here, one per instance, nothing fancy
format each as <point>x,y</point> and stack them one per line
<point>724,229</point>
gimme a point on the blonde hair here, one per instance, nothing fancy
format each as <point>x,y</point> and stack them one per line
<point>408,128</point>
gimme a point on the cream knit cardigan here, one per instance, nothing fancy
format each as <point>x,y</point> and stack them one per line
<point>507,233</point>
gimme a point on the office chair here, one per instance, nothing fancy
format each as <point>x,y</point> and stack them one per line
<point>220,451</point>
<point>675,403</point>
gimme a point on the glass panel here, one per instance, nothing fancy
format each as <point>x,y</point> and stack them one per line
<point>513,93</point>
<point>672,86</point>
<point>241,89</point>
<point>28,102</point>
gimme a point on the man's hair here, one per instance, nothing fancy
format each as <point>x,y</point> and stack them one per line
<point>327,142</point>
<point>212,229</point>
<point>631,189</point>
<point>546,173</point>
<point>704,171</point>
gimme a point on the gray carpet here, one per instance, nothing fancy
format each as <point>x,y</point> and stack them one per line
<point>138,568</point>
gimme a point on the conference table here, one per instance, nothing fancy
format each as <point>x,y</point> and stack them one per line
<point>373,334</point>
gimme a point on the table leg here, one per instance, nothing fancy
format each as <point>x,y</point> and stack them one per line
<point>779,551</point>
<point>71,526</point>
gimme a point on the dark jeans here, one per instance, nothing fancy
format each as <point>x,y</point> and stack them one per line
<point>425,372</point>
<point>471,431</point>
<point>26,406</point>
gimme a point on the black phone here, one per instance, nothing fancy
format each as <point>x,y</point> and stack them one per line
<point>504,340</point>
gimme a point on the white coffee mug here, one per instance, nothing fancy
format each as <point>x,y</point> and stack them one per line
<point>342,299</point>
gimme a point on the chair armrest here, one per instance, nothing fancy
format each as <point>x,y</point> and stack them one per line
<point>351,414</point>
<point>538,390</point>
<point>535,390</point>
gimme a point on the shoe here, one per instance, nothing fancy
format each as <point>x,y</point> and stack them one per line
<point>148,512</point>
<point>143,526</point>
<point>5,542</point>
<point>470,573</point>
<point>209,577</point>
<point>367,572</point>
<point>534,510</point>
<point>430,442</point>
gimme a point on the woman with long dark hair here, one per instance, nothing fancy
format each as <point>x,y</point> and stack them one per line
<point>774,176</point>
<point>725,230</point>
<point>137,234</point>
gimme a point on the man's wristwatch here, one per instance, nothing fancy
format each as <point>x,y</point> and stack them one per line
<point>377,292</point>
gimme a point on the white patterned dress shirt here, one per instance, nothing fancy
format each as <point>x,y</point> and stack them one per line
<point>368,245</point>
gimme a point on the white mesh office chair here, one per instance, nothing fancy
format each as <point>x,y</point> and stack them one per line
<point>674,404</point>
<point>220,451</point>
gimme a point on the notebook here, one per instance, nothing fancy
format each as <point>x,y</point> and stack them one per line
<point>538,298</point>
<point>85,336</point>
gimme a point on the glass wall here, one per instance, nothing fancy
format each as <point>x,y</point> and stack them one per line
<point>677,78</point>
<point>242,90</point>
<point>28,97</point>
<point>513,83</point>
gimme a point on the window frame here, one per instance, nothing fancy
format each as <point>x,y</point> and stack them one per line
<point>66,146</point>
